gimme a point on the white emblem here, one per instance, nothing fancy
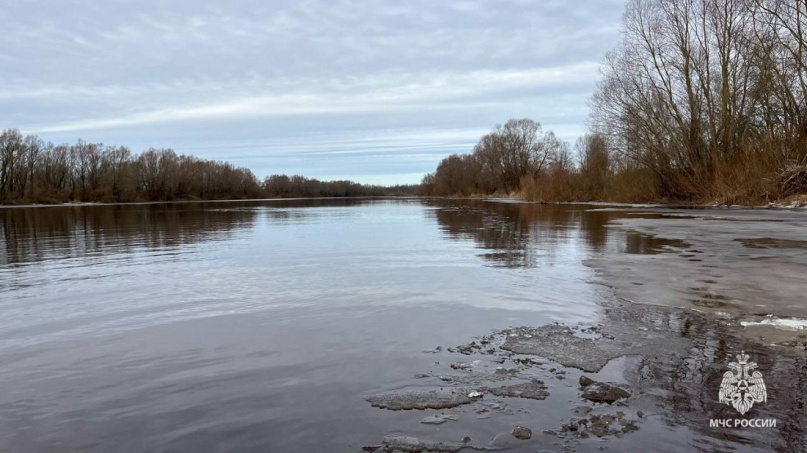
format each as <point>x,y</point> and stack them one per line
<point>742,389</point>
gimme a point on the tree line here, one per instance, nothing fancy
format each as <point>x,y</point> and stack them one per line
<point>32,171</point>
<point>701,100</point>
<point>283,186</point>
<point>500,161</point>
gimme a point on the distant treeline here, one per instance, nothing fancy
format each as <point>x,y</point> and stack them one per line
<point>282,186</point>
<point>702,100</point>
<point>32,171</point>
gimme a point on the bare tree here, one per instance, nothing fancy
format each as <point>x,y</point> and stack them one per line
<point>32,171</point>
<point>11,150</point>
<point>695,85</point>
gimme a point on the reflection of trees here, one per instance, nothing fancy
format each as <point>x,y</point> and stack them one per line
<point>301,210</point>
<point>504,229</point>
<point>643,244</point>
<point>34,234</point>
<point>516,234</point>
<point>593,230</point>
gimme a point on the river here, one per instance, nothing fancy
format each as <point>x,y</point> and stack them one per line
<point>263,325</point>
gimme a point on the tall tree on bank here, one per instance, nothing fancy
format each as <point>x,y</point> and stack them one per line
<point>706,92</point>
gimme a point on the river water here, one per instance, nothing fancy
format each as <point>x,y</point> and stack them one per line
<point>262,325</point>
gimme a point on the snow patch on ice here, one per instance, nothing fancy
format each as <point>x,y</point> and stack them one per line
<point>781,323</point>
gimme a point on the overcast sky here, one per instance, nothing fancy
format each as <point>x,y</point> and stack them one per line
<point>372,90</point>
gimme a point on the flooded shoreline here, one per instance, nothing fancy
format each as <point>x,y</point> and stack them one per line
<point>669,369</point>
<point>744,267</point>
<point>663,354</point>
<point>286,325</point>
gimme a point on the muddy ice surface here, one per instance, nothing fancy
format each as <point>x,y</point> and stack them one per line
<point>646,377</point>
<point>534,389</point>
<point>420,400</point>
<point>739,265</point>
<point>574,391</point>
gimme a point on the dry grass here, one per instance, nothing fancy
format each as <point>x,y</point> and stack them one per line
<point>756,175</point>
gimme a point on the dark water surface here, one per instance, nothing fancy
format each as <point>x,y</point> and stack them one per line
<point>260,326</point>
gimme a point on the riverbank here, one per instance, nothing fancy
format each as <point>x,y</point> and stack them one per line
<point>716,282</point>
<point>793,202</point>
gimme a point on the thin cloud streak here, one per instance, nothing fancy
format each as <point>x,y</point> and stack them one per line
<point>433,93</point>
<point>280,79</point>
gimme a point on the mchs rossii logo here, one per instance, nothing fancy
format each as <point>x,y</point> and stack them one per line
<point>741,388</point>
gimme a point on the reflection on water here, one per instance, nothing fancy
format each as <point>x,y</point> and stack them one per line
<point>35,234</point>
<point>512,233</point>
<point>260,325</point>
<point>518,234</point>
<point>30,235</point>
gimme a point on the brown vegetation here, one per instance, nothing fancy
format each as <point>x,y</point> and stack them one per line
<point>32,171</point>
<point>703,100</point>
<point>282,186</point>
<point>501,159</point>
<point>709,95</point>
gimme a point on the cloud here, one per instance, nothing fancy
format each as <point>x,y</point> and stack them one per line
<point>129,72</point>
<point>414,93</point>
